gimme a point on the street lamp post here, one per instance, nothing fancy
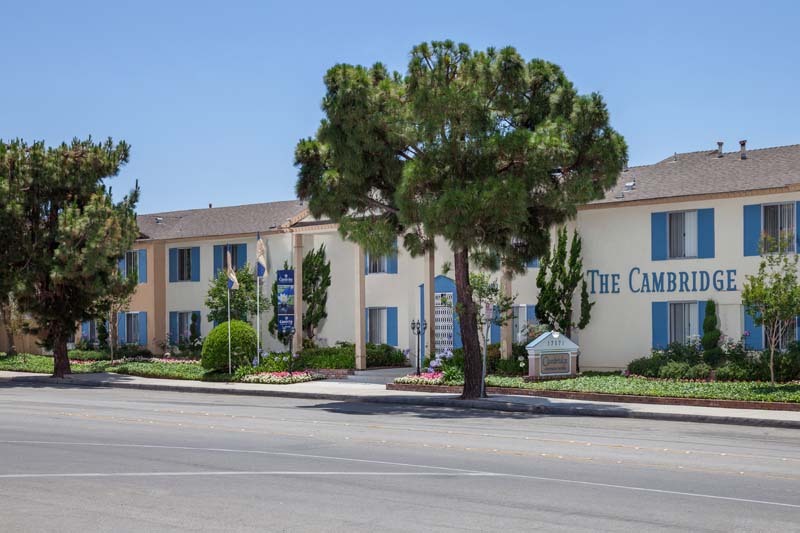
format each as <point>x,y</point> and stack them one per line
<point>418,328</point>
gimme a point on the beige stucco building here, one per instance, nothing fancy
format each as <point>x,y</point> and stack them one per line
<point>666,239</point>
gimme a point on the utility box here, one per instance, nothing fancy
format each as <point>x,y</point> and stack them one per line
<point>552,355</point>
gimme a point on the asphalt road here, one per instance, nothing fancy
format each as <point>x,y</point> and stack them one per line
<point>122,460</point>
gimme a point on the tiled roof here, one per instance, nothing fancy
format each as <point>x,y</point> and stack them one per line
<point>697,173</point>
<point>220,220</point>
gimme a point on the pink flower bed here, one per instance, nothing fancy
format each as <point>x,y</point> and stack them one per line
<point>425,378</point>
<point>281,378</point>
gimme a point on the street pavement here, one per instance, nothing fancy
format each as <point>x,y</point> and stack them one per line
<point>104,459</point>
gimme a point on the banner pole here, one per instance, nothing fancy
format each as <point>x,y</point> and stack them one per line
<point>229,331</point>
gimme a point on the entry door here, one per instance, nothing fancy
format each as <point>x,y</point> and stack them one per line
<point>443,316</point>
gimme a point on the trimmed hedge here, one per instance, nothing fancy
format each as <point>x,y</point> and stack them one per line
<point>243,346</point>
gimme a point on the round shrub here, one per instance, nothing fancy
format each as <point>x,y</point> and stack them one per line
<point>733,372</point>
<point>674,370</point>
<point>243,346</point>
<point>648,367</point>
<point>698,371</point>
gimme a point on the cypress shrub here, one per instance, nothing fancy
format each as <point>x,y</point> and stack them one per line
<point>712,353</point>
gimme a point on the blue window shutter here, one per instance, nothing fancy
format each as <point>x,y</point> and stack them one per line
<point>658,236</point>
<point>173,327</point>
<point>533,263</point>
<point>705,233</point>
<point>755,334</point>
<point>660,324</point>
<point>173,264</point>
<point>701,316</point>
<point>122,270</point>
<point>752,229</point>
<point>241,256</point>
<point>195,263</point>
<point>391,261</point>
<point>366,263</point>
<point>142,328</point>
<point>142,266</point>
<point>122,338</point>
<point>796,232</point>
<point>391,326</point>
<point>366,324</point>
<point>530,313</point>
<point>85,330</point>
<point>495,329</point>
<point>219,251</point>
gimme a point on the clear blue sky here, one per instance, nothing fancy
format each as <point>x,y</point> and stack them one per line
<point>213,96</point>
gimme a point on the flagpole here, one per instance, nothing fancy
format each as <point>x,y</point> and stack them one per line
<point>258,316</point>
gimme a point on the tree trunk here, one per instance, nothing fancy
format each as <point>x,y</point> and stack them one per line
<point>7,316</point>
<point>60,358</point>
<point>12,349</point>
<point>468,323</point>
<point>772,365</point>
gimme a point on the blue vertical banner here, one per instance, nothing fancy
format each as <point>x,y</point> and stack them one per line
<point>285,309</point>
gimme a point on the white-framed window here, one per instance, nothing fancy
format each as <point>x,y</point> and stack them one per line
<point>683,321</point>
<point>92,327</point>
<point>377,264</point>
<point>132,264</point>
<point>789,335</point>
<point>376,325</point>
<point>779,224</point>
<point>131,328</point>
<point>184,325</point>
<point>184,264</point>
<point>682,234</point>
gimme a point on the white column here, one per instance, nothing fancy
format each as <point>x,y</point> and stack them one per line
<point>360,307</point>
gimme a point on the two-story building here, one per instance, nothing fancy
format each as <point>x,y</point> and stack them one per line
<point>669,237</point>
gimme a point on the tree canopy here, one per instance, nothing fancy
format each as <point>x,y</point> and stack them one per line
<point>65,231</point>
<point>482,148</point>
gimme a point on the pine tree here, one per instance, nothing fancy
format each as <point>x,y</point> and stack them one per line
<point>316,280</point>
<point>482,149</point>
<point>67,232</point>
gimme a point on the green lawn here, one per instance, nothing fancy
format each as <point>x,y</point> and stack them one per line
<point>717,390</point>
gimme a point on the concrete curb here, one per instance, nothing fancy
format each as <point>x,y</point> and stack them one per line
<point>612,411</point>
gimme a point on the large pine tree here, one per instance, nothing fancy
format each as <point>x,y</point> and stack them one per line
<point>67,231</point>
<point>481,148</point>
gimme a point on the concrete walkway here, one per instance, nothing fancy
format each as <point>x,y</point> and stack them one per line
<point>347,390</point>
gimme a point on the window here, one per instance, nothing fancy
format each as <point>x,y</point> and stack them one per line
<point>779,226</point>
<point>184,325</point>
<point>377,264</point>
<point>234,249</point>
<point>682,234</point>
<point>92,337</point>
<point>789,335</point>
<point>184,264</point>
<point>131,328</point>
<point>683,321</point>
<point>132,264</point>
<point>376,320</point>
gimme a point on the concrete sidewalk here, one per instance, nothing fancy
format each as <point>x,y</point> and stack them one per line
<point>370,392</point>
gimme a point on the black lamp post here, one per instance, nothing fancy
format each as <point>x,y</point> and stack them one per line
<point>418,328</point>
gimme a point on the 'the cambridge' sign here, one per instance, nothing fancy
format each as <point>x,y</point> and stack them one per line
<point>646,282</point>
